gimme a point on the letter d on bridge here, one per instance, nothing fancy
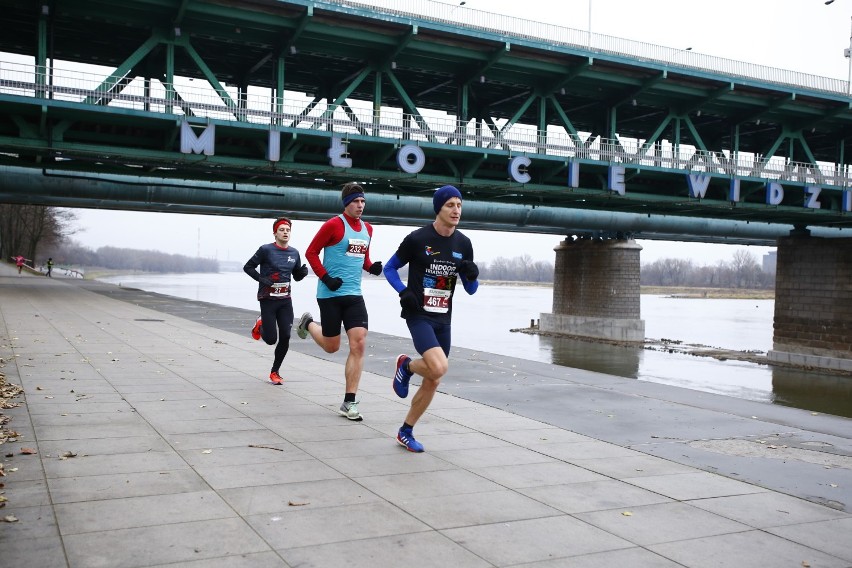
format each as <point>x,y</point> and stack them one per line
<point>774,193</point>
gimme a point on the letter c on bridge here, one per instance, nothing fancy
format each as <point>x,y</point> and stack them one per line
<point>518,169</point>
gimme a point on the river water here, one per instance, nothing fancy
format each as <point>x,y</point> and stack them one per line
<point>483,322</point>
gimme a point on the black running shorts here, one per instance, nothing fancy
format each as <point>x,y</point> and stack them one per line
<point>351,311</point>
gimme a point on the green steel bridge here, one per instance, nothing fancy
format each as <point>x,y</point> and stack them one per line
<point>265,107</point>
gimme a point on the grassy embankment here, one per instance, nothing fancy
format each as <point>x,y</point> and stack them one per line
<point>729,293</point>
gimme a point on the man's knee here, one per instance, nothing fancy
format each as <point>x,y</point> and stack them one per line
<point>357,341</point>
<point>430,383</point>
<point>358,347</point>
<point>436,365</point>
<point>438,369</point>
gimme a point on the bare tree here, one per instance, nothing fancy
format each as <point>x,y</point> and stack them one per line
<point>742,272</point>
<point>746,269</point>
<point>26,229</point>
<point>674,271</point>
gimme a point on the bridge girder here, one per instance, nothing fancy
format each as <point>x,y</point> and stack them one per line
<point>329,51</point>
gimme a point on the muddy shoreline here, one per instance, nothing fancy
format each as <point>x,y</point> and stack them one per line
<point>696,350</point>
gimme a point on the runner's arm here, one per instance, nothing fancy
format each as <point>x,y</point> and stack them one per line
<point>329,234</point>
<point>299,270</point>
<point>367,262</point>
<point>251,265</point>
<point>250,269</point>
<point>469,286</point>
<point>391,272</point>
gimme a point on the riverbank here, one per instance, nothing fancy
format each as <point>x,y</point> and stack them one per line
<point>670,291</point>
<point>710,293</point>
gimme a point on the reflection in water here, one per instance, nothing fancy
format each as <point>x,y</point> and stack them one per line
<point>808,390</point>
<point>818,392</point>
<point>598,357</point>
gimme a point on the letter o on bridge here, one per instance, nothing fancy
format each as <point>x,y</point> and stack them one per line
<point>411,159</point>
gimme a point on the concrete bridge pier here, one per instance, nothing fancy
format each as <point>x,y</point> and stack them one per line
<point>596,290</point>
<point>813,302</point>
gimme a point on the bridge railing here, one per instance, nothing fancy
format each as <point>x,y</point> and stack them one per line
<point>196,99</point>
<point>510,27</point>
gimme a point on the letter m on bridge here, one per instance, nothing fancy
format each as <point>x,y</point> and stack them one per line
<point>192,144</point>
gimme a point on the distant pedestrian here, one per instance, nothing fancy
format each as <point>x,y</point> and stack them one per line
<point>278,263</point>
<point>19,262</point>
<point>437,255</point>
<point>50,267</point>
<point>344,241</point>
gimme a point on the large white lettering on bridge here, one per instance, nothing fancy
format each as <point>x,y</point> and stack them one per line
<point>411,159</point>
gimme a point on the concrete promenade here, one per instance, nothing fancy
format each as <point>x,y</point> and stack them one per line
<point>160,442</point>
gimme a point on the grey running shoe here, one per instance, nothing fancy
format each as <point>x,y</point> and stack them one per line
<point>304,322</point>
<point>350,411</point>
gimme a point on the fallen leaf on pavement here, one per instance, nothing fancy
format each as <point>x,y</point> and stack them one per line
<point>10,519</point>
<point>28,451</point>
<point>295,504</point>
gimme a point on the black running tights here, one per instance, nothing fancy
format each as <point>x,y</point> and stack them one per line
<point>277,317</point>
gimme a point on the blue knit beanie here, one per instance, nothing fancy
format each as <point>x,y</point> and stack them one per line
<point>444,194</point>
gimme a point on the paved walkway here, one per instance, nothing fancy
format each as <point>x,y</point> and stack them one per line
<point>160,443</point>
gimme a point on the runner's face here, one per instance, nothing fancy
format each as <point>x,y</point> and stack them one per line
<point>450,213</point>
<point>282,235</point>
<point>355,207</point>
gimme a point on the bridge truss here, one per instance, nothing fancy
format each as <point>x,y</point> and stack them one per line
<point>108,89</point>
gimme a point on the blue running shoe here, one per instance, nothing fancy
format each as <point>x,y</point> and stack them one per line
<point>406,438</point>
<point>401,377</point>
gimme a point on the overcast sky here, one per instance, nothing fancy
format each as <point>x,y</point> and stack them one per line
<point>800,35</point>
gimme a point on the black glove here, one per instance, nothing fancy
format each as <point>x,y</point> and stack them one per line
<point>300,272</point>
<point>375,268</point>
<point>265,281</point>
<point>469,269</point>
<point>333,283</point>
<point>408,300</point>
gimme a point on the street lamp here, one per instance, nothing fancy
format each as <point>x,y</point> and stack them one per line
<point>456,7</point>
<point>590,26</point>
<point>847,53</point>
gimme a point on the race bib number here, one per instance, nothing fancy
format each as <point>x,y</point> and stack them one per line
<point>436,301</point>
<point>280,290</point>
<point>357,247</point>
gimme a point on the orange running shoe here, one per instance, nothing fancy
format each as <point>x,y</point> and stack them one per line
<point>255,331</point>
<point>276,378</point>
